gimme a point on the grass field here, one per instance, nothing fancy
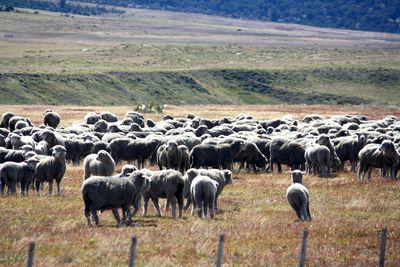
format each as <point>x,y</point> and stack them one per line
<point>178,58</point>
<point>255,217</point>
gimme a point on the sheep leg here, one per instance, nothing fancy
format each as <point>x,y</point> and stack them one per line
<point>93,212</point>
<point>116,216</point>
<point>180,205</point>
<point>369,173</point>
<point>87,214</point>
<point>50,187</point>
<point>146,199</point>
<point>193,206</point>
<point>172,200</point>
<point>211,207</point>
<point>188,202</point>
<point>308,211</point>
<point>58,187</point>
<point>37,184</point>
<point>279,167</point>
<point>156,206</point>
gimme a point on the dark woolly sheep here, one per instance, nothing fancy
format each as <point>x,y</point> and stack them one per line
<point>215,156</point>
<point>318,159</point>
<point>92,118</point>
<point>117,148</point>
<point>108,116</point>
<point>284,151</point>
<point>150,123</point>
<point>42,148</point>
<point>77,149</point>
<point>12,173</point>
<point>21,125</point>
<point>299,197</point>
<point>169,156</point>
<point>5,118</point>
<point>51,118</point>
<point>203,191</point>
<point>165,184</point>
<point>252,157</point>
<point>349,147</point>
<point>18,141</point>
<point>383,156</point>
<point>100,126</point>
<point>52,138</point>
<point>2,141</point>
<point>223,178</point>
<point>12,155</point>
<point>126,170</point>
<point>100,164</point>
<point>136,117</point>
<point>104,193</point>
<point>99,145</point>
<point>51,168</point>
<point>185,159</point>
<point>13,121</point>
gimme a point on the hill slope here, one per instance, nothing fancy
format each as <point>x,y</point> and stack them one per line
<point>180,58</point>
<point>383,16</point>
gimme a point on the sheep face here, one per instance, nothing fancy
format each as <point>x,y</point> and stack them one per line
<point>228,177</point>
<point>59,152</point>
<point>15,139</point>
<point>388,148</point>
<point>172,146</point>
<point>32,162</point>
<point>362,138</point>
<point>297,176</point>
<point>102,155</point>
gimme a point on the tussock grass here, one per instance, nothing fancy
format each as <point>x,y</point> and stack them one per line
<point>255,217</point>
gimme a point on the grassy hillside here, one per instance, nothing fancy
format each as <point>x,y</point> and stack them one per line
<point>225,86</point>
<point>177,58</point>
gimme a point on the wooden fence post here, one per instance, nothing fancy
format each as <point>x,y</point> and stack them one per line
<point>303,248</point>
<point>220,249</point>
<point>132,252</point>
<point>383,247</point>
<point>31,254</point>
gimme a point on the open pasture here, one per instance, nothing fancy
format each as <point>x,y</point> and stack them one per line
<point>257,221</point>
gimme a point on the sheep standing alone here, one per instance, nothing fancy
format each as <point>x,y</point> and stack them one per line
<point>103,193</point>
<point>12,173</point>
<point>51,168</point>
<point>100,164</point>
<point>382,156</point>
<point>203,191</point>
<point>298,196</point>
<point>51,118</point>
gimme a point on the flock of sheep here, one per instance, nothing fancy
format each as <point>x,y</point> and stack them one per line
<point>183,149</point>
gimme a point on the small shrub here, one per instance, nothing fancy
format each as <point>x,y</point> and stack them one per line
<point>149,108</point>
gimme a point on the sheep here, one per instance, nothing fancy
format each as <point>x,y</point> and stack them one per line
<point>108,116</point>
<point>215,156</point>
<point>318,158</point>
<point>165,184</point>
<point>203,191</point>
<point>51,168</point>
<point>51,118</point>
<point>91,118</point>
<point>103,193</point>
<point>52,138</point>
<point>77,149</point>
<point>18,141</point>
<point>12,173</point>
<point>252,156</point>
<point>382,156</point>
<point>14,155</point>
<point>126,170</point>
<point>284,151</point>
<point>222,177</point>
<point>13,121</point>
<point>299,197</point>
<point>5,118</point>
<point>349,147</point>
<point>100,126</point>
<point>100,164</point>
<point>185,158</point>
<point>2,141</point>
<point>169,156</point>
<point>21,124</point>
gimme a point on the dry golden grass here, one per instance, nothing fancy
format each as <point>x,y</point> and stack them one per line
<point>255,217</point>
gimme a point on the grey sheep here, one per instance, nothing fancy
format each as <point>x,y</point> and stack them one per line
<point>203,191</point>
<point>13,121</point>
<point>299,197</point>
<point>100,164</point>
<point>165,184</point>
<point>21,124</point>
<point>51,118</point>
<point>222,177</point>
<point>12,173</point>
<point>103,193</point>
<point>383,156</point>
<point>52,138</point>
<point>92,118</point>
<point>185,158</point>
<point>51,168</point>
<point>18,141</point>
<point>318,159</point>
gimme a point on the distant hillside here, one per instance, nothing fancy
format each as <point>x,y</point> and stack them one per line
<point>368,15</point>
